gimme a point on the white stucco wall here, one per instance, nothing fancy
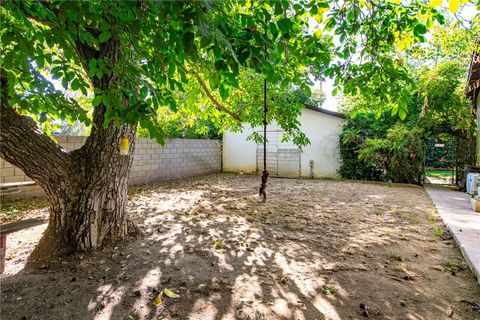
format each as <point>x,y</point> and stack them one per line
<point>239,155</point>
<point>323,131</point>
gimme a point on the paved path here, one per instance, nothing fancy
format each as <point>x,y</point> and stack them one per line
<point>463,223</point>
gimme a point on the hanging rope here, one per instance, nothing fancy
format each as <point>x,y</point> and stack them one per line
<point>263,187</point>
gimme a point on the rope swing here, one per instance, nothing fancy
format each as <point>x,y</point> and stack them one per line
<point>263,186</point>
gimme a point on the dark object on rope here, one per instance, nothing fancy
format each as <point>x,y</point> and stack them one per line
<point>263,187</point>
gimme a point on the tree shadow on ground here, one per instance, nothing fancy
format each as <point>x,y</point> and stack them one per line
<point>316,250</point>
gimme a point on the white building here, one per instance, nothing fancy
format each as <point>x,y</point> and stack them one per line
<point>319,159</point>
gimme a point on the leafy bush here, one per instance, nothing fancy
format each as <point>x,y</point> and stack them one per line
<point>381,151</point>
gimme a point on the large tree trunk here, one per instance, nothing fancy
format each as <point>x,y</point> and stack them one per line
<point>86,188</point>
<point>91,211</point>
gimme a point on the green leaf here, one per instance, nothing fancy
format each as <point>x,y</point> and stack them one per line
<point>285,25</point>
<point>308,90</point>
<point>104,36</point>
<point>170,294</point>
<point>106,100</point>
<point>284,84</point>
<point>273,29</point>
<point>143,92</point>
<point>215,80</point>
<point>43,117</point>
<point>223,91</point>
<point>394,110</point>
<point>57,69</point>
<point>75,85</point>
<point>97,100</point>
<point>420,29</point>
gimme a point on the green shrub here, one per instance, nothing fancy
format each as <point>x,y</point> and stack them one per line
<point>380,151</point>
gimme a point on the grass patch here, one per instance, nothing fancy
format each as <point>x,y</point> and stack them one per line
<point>399,268</point>
<point>378,211</point>
<point>291,227</point>
<point>408,216</point>
<point>437,231</point>
<point>453,267</point>
<point>394,256</point>
<point>403,215</point>
<point>439,173</point>
<point>432,218</point>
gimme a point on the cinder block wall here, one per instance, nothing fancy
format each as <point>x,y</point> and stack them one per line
<point>151,161</point>
<point>178,158</point>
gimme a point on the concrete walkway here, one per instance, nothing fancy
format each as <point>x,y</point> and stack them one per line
<point>463,223</point>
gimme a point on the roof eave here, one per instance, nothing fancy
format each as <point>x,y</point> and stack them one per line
<point>325,111</point>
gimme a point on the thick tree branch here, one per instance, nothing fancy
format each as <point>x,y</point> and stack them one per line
<point>24,145</point>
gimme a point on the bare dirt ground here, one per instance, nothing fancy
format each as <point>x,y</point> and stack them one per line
<point>317,250</point>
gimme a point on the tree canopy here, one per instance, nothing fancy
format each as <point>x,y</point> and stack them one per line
<point>376,145</point>
<point>165,46</point>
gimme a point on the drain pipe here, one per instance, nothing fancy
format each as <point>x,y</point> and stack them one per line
<point>311,169</point>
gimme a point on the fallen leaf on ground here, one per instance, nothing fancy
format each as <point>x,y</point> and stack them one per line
<point>158,300</point>
<point>170,294</point>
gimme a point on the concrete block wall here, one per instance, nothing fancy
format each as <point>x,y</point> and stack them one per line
<point>178,158</point>
<point>151,162</point>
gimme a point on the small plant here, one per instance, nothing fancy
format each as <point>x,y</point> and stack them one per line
<point>399,268</point>
<point>329,290</point>
<point>388,232</point>
<point>433,218</point>
<point>408,216</point>
<point>291,227</point>
<point>452,266</point>
<point>437,231</point>
<point>218,244</point>
<point>394,256</point>
<point>12,213</point>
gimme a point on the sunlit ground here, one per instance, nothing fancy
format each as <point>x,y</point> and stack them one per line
<point>317,250</point>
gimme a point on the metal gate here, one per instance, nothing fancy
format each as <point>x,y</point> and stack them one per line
<point>283,158</point>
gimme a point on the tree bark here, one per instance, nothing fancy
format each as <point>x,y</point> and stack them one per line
<point>91,211</point>
<point>86,188</point>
